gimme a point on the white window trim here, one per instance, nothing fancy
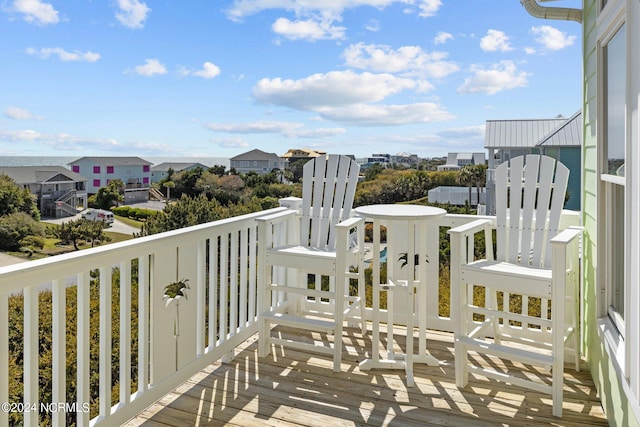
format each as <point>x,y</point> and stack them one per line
<point>624,351</point>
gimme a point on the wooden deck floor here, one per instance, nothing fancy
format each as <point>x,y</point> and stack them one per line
<point>293,388</point>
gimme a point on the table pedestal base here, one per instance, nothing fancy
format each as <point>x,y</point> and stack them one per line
<point>398,361</point>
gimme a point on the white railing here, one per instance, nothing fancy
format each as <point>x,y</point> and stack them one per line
<point>171,342</point>
<point>160,344</point>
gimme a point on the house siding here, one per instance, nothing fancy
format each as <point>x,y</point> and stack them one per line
<point>613,390</point>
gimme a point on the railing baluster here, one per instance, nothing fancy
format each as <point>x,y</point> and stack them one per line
<point>233,274</point>
<point>143,324</point>
<point>243,278</point>
<point>125,332</point>
<point>214,253</point>
<point>224,287</point>
<point>252,273</point>
<point>58,339</point>
<point>105,342</point>
<point>4,356</point>
<point>31,354</point>
<point>200,296</point>
<point>83,351</point>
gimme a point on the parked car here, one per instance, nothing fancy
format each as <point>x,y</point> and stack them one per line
<point>98,215</point>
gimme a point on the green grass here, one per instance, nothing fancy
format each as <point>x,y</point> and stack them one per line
<point>129,221</point>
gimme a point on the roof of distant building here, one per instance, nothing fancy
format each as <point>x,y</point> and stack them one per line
<point>560,131</point>
<point>37,174</point>
<point>115,161</point>
<point>176,166</point>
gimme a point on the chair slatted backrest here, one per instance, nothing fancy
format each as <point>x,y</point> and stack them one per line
<point>328,188</point>
<point>530,195</point>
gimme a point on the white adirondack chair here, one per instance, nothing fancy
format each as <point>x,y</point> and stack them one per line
<point>321,240</point>
<point>528,312</point>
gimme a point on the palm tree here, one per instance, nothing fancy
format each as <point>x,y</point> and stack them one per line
<point>466,177</point>
<point>169,185</point>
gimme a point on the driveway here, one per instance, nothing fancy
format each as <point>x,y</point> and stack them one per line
<point>117,226</point>
<point>9,260</point>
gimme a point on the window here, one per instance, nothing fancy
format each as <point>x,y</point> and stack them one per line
<point>145,168</point>
<point>96,183</point>
<point>75,168</point>
<point>613,182</point>
<point>110,169</point>
<point>145,180</point>
<point>96,169</point>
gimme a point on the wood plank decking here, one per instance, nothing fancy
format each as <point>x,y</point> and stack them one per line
<point>293,388</point>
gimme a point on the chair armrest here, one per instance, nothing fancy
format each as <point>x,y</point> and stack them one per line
<point>277,217</point>
<point>350,222</point>
<point>471,227</point>
<point>566,236</point>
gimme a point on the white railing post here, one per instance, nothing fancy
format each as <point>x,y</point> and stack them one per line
<point>82,351</point>
<point>59,343</point>
<point>31,355</point>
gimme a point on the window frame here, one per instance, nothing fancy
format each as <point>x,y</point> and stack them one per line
<point>622,344</point>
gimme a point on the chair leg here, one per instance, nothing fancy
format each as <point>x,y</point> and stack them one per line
<point>264,341</point>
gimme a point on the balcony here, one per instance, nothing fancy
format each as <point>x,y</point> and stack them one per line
<point>120,353</point>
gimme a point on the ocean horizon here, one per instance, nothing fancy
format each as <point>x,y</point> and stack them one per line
<point>65,160</point>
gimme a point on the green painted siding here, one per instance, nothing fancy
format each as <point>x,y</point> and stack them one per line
<point>609,386</point>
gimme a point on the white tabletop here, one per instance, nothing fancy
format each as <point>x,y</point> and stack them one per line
<point>392,211</point>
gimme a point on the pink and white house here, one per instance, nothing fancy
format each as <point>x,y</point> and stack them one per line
<point>134,172</point>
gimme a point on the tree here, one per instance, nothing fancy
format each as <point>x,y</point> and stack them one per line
<point>108,196</point>
<point>17,226</point>
<point>14,199</point>
<point>466,177</point>
<point>75,231</point>
<point>169,185</point>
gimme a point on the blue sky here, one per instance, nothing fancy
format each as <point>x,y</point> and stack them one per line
<point>218,78</point>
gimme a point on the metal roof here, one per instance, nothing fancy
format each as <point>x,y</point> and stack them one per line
<point>39,174</point>
<point>176,166</point>
<point>114,161</point>
<point>530,133</point>
<point>255,154</point>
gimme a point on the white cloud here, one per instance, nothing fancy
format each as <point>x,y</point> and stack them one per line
<point>286,129</point>
<point>242,8</point>
<point>499,77</point>
<point>387,115</point>
<point>36,11</point>
<point>17,113</point>
<point>552,38</point>
<point>63,55</point>
<point>231,142</point>
<point>308,29</point>
<point>132,13</point>
<point>406,59</point>
<point>429,7</point>
<point>495,41</point>
<point>315,18</point>
<point>442,37</point>
<point>373,26</point>
<point>151,68</point>
<point>25,135</point>
<point>463,132</point>
<point>209,71</point>
<point>261,126</point>
<point>336,88</point>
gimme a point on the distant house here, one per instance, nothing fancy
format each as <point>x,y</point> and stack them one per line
<point>58,190</point>
<point>455,161</point>
<point>134,172</point>
<point>159,172</point>
<point>560,138</point>
<point>405,159</point>
<point>256,161</point>
<point>295,154</point>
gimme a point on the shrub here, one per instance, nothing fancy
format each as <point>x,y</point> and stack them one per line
<point>15,227</point>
